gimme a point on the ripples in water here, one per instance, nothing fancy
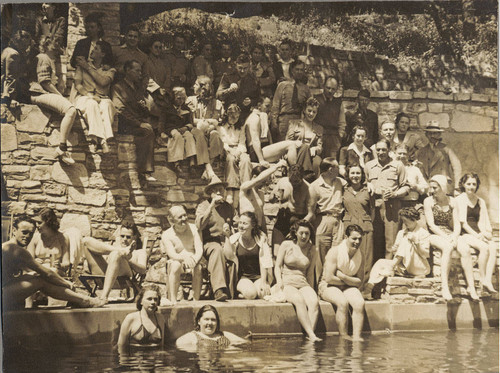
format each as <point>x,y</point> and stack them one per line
<point>422,352</point>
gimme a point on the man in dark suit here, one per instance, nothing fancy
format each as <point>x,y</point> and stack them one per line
<point>362,116</point>
<point>84,47</point>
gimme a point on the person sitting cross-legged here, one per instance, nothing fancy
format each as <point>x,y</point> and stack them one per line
<point>182,243</point>
<point>124,257</point>
<point>411,252</point>
<point>339,284</point>
<point>17,286</point>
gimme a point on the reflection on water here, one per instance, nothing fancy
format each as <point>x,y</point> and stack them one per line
<point>459,351</point>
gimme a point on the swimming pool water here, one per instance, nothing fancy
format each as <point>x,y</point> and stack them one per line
<point>452,351</point>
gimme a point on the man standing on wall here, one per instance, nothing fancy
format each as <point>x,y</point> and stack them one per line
<point>364,116</point>
<point>331,116</point>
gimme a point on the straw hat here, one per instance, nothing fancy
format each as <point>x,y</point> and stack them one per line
<point>215,181</point>
<point>433,126</point>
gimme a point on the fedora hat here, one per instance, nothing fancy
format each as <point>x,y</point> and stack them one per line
<point>215,181</point>
<point>433,126</point>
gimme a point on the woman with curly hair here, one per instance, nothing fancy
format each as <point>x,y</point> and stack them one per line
<point>250,250</point>
<point>476,228</point>
<point>145,327</point>
<point>294,271</point>
<point>311,136</point>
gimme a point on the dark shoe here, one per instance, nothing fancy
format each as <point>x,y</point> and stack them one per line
<point>220,295</point>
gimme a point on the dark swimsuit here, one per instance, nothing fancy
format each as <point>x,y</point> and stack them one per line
<point>147,339</point>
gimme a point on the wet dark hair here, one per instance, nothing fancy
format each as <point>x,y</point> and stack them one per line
<point>201,311</point>
<point>295,227</point>
<point>256,231</point>
<point>353,228</point>
<point>327,163</point>
<point>348,168</point>
<point>257,170</point>
<point>409,213</point>
<point>468,175</point>
<point>49,217</point>
<point>144,289</point>
<point>22,218</point>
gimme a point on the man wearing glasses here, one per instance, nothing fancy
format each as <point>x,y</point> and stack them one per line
<point>124,257</point>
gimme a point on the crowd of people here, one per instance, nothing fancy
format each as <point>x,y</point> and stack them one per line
<point>358,201</point>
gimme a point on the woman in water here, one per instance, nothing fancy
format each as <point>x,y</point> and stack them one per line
<point>249,248</point>
<point>441,213</point>
<point>476,228</point>
<point>207,332</point>
<point>294,273</point>
<point>146,327</point>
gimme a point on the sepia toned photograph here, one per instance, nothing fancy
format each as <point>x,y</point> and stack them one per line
<point>250,186</point>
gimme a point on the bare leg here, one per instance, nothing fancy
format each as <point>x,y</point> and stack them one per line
<point>312,303</point>
<point>483,249</point>
<point>274,152</point>
<point>117,266</point>
<point>246,288</point>
<point>446,248</point>
<point>490,267</point>
<point>357,302</point>
<point>174,279</point>
<point>295,297</point>
<point>466,260</point>
<point>94,251</point>
<point>337,297</point>
<point>27,285</point>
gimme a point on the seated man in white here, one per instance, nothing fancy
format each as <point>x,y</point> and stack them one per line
<point>411,251</point>
<point>184,248</point>
<point>124,257</point>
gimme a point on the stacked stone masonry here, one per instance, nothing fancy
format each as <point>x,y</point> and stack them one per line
<point>99,190</point>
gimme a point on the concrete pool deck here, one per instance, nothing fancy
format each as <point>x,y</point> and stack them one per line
<point>261,318</point>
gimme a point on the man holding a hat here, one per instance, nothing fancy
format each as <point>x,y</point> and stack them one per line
<point>213,219</point>
<point>436,158</point>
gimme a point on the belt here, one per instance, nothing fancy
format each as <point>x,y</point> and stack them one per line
<point>329,213</point>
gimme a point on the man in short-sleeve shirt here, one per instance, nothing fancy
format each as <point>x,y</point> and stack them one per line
<point>388,179</point>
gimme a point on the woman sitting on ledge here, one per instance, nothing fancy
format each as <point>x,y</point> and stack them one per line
<point>207,332</point>
<point>294,273</point>
<point>249,248</point>
<point>441,213</point>
<point>146,327</point>
<point>411,251</point>
<point>476,228</point>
